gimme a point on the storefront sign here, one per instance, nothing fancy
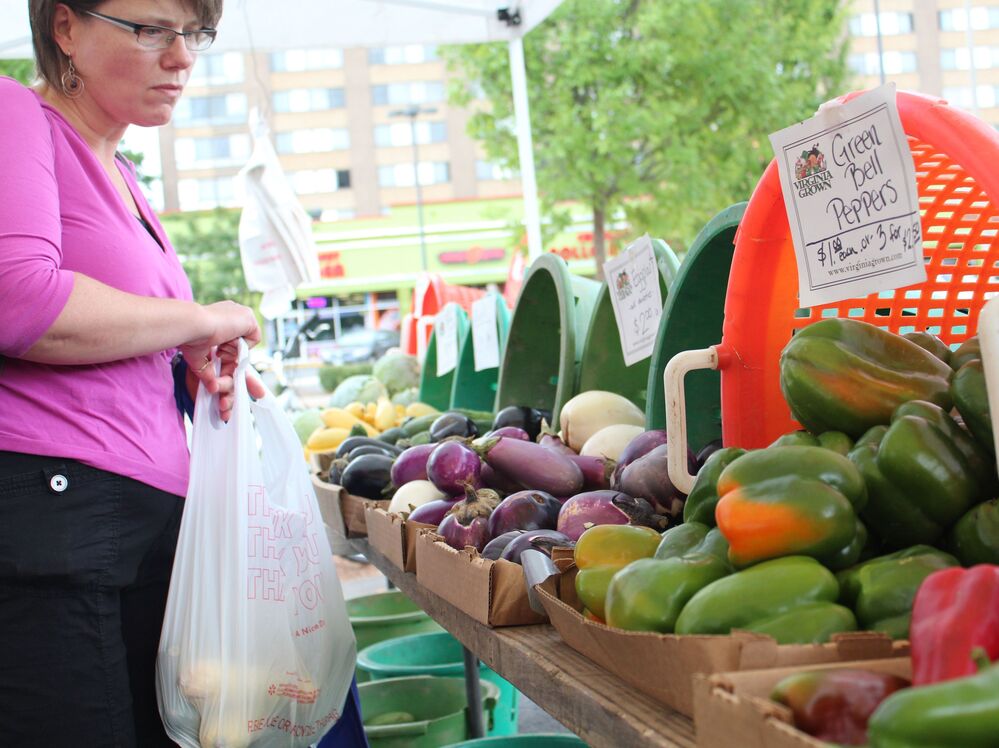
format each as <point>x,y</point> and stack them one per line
<point>852,203</point>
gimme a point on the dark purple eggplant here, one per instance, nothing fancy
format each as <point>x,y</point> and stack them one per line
<point>533,466</point>
<point>706,451</point>
<point>451,465</point>
<point>412,464</point>
<point>648,478</point>
<point>495,547</point>
<point>528,419</point>
<point>640,445</point>
<point>532,540</point>
<point>452,424</point>
<point>433,512</point>
<point>524,510</point>
<point>369,476</point>
<point>353,442</point>
<point>370,449</point>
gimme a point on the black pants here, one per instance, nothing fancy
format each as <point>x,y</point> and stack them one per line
<point>85,560</point>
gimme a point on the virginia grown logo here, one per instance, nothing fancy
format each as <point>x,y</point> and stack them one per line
<point>810,172</point>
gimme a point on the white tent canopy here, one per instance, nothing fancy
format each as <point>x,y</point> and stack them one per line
<point>264,25</point>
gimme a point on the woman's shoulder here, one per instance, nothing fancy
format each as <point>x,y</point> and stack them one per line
<point>17,98</point>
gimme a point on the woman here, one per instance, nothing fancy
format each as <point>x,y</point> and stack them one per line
<point>94,306</point>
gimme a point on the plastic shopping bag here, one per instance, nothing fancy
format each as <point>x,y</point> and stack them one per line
<point>256,648</point>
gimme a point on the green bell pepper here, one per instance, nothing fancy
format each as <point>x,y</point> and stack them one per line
<point>922,473</point>
<point>767,597</point>
<point>975,537</point>
<point>959,713</point>
<point>881,591</point>
<point>969,350</point>
<point>930,342</point>
<point>601,552</point>
<point>703,496</point>
<point>692,537</point>
<point>972,401</point>
<point>846,375</point>
<point>837,441</point>
<point>786,501</point>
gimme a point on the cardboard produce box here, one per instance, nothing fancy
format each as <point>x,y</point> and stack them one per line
<point>491,592</point>
<point>663,665</point>
<point>330,499</point>
<point>734,709</point>
<point>347,517</point>
<point>393,536</point>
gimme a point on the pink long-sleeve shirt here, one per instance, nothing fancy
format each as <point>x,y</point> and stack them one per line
<point>60,214</point>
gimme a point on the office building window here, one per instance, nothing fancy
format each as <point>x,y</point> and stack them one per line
<point>895,63</point>
<point>314,181</point>
<point>486,171</point>
<point>300,60</point>
<point>204,194</point>
<point>960,58</point>
<point>194,111</point>
<point>414,92</point>
<point>892,24</point>
<point>959,19</point>
<point>400,134</point>
<point>308,99</point>
<point>409,54</point>
<point>313,141</point>
<point>220,150</point>
<point>966,97</point>
<point>401,175</point>
<point>217,70</point>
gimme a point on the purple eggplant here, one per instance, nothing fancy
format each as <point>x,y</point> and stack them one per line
<point>513,432</point>
<point>411,464</point>
<point>597,471</point>
<point>524,510</point>
<point>538,540</point>
<point>452,424</point>
<point>648,478</point>
<point>640,445</point>
<point>591,508</point>
<point>459,535</point>
<point>551,441</point>
<point>707,450</point>
<point>432,512</point>
<point>528,419</point>
<point>451,465</point>
<point>533,466</point>
<point>495,547</point>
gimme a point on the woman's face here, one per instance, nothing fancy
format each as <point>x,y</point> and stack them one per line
<point>132,84</point>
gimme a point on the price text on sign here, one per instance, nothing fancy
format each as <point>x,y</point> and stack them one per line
<point>446,334</point>
<point>852,203</point>
<point>485,342</point>
<point>633,283</point>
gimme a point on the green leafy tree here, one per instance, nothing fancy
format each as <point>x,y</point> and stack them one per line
<point>657,110</point>
<point>208,246</point>
<point>19,70</point>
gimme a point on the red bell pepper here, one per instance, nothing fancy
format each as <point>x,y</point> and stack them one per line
<point>955,611</point>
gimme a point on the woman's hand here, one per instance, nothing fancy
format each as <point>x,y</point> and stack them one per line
<point>228,323</point>
<point>228,353</point>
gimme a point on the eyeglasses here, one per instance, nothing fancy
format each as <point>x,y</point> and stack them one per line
<point>160,37</point>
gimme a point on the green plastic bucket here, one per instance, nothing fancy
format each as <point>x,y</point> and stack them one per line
<point>545,344</point>
<point>386,615</point>
<point>436,390</point>
<point>538,740</point>
<point>437,654</point>
<point>473,389</point>
<point>435,708</point>
<point>602,366</point>
<point>692,319</point>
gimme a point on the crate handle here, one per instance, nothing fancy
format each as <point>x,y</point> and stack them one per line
<point>676,410</point>
<point>988,337</point>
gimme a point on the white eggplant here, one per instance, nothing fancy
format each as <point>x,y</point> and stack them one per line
<point>589,412</point>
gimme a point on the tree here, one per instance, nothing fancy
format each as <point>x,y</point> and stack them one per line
<point>207,244</point>
<point>19,70</point>
<point>660,110</point>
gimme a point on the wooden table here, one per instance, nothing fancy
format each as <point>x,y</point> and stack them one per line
<point>597,706</point>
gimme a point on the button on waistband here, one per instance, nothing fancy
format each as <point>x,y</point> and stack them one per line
<point>59,483</point>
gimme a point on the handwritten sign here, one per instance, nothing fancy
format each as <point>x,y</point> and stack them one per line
<point>485,342</point>
<point>633,283</point>
<point>850,191</point>
<point>446,334</point>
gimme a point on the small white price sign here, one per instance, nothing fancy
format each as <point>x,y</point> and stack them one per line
<point>485,342</point>
<point>446,334</point>
<point>633,282</point>
<point>849,187</point>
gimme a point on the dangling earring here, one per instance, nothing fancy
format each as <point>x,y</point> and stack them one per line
<point>72,84</point>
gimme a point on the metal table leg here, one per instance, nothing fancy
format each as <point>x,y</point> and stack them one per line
<point>473,692</point>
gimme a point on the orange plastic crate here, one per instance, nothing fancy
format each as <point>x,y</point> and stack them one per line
<point>955,156</point>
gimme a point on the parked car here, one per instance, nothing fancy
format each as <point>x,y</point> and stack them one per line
<point>357,346</point>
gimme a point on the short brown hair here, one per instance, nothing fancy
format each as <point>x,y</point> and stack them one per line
<point>49,59</point>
